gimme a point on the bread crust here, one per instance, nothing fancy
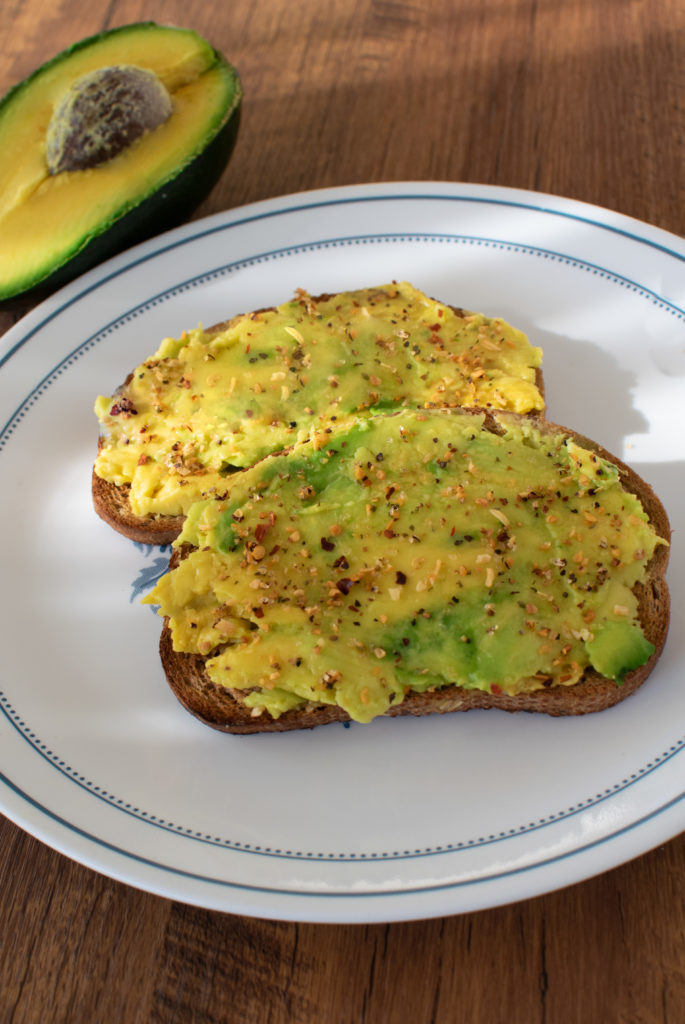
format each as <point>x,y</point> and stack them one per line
<point>217,707</point>
<point>111,501</point>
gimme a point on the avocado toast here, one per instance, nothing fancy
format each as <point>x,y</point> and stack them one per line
<point>217,401</point>
<point>412,563</point>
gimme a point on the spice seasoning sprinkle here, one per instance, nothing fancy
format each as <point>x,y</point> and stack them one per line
<point>494,608</point>
<point>293,368</point>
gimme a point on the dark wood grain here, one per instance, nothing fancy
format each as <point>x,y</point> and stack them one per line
<point>583,98</point>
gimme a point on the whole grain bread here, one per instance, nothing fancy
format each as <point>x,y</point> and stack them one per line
<point>218,707</point>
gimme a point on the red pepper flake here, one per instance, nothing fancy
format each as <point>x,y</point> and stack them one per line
<point>496,689</point>
<point>388,533</point>
<point>261,530</point>
<point>345,585</point>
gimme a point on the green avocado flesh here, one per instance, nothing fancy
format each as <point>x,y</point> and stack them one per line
<point>410,552</point>
<point>76,184</point>
<point>212,402</point>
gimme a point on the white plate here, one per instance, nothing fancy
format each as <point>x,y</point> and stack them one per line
<point>403,818</point>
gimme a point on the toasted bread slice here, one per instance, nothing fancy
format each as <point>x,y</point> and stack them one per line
<point>225,708</point>
<point>260,381</point>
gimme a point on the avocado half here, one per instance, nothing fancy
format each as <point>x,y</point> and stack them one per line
<point>55,225</point>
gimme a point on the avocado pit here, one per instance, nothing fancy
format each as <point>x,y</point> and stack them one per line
<point>102,114</point>
<point>106,98</point>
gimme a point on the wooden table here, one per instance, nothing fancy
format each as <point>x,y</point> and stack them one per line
<point>585,100</point>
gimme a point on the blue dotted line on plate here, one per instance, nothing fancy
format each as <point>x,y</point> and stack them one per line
<point>332,243</point>
<point>41,388</point>
<point>544,254</point>
<point>59,370</point>
<point>391,854</point>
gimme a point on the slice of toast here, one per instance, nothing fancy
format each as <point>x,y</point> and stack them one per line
<point>404,543</point>
<point>215,402</point>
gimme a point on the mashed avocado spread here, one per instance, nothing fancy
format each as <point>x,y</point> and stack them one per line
<point>408,552</point>
<point>213,402</point>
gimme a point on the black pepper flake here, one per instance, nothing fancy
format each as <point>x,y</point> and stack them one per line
<point>400,578</point>
<point>327,544</point>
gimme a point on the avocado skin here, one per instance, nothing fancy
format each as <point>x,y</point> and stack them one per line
<point>165,209</point>
<point>169,206</point>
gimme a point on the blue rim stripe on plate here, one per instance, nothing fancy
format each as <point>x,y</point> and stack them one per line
<point>403,891</point>
<point>422,236</point>
<point>191,282</point>
<point>57,372</point>
<point>461,846</point>
<point>320,204</point>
